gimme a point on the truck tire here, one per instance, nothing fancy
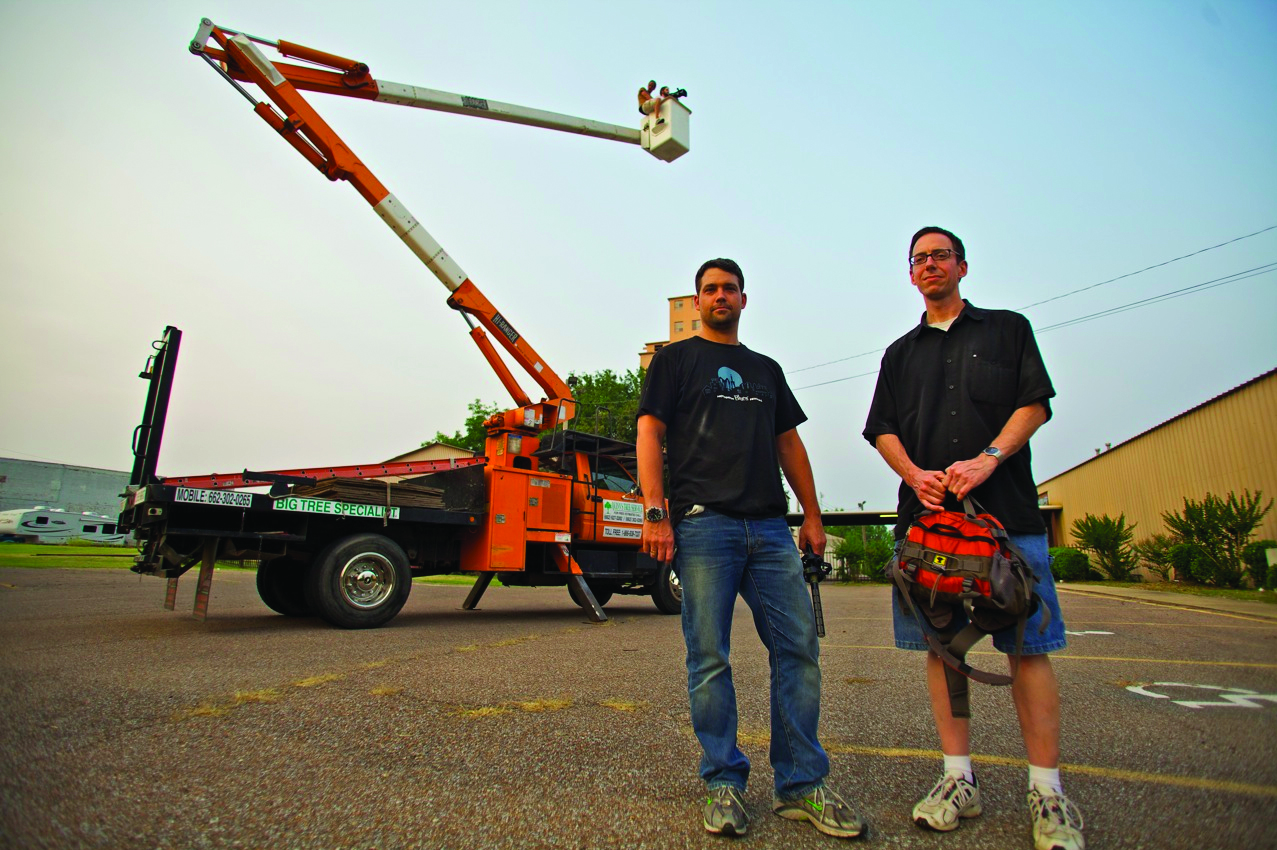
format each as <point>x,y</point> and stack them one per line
<point>668,592</point>
<point>281,583</point>
<point>359,582</point>
<point>602,593</point>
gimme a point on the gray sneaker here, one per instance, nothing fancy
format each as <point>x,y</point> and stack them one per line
<point>952,798</point>
<point>1057,823</point>
<point>725,811</point>
<point>828,812</point>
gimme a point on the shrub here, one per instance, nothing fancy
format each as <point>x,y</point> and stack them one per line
<point>1255,557</point>
<point>1155,555</point>
<point>1219,527</point>
<point>1110,541</point>
<point>1190,563</point>
<point>1069,564</point>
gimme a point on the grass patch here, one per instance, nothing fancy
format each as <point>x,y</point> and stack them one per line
<point>36,556</point>
<point>386,691</point>
<point>449,579</point>
<point>315,681</point>
<point>1268,596</point>
<point>85,555</point>
<point>267,695</point>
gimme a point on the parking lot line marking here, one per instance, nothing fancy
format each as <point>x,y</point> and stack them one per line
<point>1196,782</point>
<point>1064,657</point>
<point>1185,607</point>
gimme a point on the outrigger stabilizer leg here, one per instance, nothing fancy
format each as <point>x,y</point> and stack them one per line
<point>480,585</point>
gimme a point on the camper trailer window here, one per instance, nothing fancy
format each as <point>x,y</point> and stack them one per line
<point>90,529</point>
<point>42,520</point>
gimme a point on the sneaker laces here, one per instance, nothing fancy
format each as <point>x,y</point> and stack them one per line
<point>948,787</point>
<point>1059,810</point>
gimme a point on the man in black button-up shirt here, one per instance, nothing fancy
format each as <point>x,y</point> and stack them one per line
<point>958,398</point>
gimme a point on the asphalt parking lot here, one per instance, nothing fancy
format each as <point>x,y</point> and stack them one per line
<point>523,725</point>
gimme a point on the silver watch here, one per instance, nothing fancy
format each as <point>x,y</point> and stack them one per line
<point>993,452</point>
<point>655,514</point>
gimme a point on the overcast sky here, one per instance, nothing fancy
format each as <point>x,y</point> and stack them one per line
<point>1067,143</point>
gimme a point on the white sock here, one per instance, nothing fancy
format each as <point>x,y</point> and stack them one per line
<point>1045,779</point>
<point>959,765</point>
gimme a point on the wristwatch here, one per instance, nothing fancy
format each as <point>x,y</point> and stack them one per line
<point>993,452</point>
<point>655,514</point>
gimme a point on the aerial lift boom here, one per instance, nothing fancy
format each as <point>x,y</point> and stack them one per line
<point>550,503</point>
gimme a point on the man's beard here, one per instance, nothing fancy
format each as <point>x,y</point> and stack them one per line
<point>726,324</point>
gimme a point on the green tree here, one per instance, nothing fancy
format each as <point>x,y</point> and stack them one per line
<point>607,402</point>
<point>1219,528</point>
<point>865,550</point>
<point>1155,555</point>
<point>471,435</point>
<point>1110,541</point>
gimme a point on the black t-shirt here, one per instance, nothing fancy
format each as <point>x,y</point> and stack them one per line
<point>947,394</point>
<point>723,407</point>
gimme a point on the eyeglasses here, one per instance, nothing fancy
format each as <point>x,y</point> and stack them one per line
<point>939,255</point>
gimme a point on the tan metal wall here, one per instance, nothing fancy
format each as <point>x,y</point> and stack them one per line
<point>1227,445</point>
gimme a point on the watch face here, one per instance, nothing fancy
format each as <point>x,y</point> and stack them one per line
<point>655,514</point>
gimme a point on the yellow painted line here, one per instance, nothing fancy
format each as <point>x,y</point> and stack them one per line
<point>1253,618</point>
<point>1196,782</point>
<point>1249,664</point>
<point>1065,657</point>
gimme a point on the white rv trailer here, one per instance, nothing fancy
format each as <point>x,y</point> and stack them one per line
<point>51,525</point>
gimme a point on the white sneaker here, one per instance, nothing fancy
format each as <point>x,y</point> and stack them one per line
<point>1057,823</point>
<point>953,797</point>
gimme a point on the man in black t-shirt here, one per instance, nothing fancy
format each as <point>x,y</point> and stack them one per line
<point>729,424</point>
<point>958,398</point>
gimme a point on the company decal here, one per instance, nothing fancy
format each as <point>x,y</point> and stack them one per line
<point>303,505</point>
<point>618,511</point>
<point>562,537</point>
<point>474,102</point>
<point>225,498</point>
<point>623,533</point>
<point>505,327</point>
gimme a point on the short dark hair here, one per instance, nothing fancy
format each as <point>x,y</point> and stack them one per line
<point>722,264</point>
<point>957,243</point>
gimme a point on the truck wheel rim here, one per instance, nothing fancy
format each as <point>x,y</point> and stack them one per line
<point>676,586</point>
<point>367,580</point>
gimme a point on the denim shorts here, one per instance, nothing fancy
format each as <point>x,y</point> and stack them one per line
<point>909,634</point>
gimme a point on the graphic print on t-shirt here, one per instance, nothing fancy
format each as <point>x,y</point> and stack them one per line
<point>729,385</point>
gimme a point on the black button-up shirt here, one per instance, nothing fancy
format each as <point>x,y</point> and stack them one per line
<point>947,395</point>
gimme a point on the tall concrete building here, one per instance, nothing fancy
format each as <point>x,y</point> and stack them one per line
<point>684,322</point>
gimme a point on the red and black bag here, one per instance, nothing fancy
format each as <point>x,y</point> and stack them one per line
<point>951,561</point>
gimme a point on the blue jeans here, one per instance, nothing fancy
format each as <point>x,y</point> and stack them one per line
<point>718,557</point>
<point>1033,547</point>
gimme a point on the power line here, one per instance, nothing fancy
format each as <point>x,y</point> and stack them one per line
<point>1134,305</point>
<point>1188,290</point>
<point>1046,301</point>
<point>1147,268</point>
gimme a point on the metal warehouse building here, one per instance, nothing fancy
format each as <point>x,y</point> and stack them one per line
<point>1228,443</point>
<point>75,489</point>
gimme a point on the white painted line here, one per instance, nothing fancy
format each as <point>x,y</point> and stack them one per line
<point>1230,697</point>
